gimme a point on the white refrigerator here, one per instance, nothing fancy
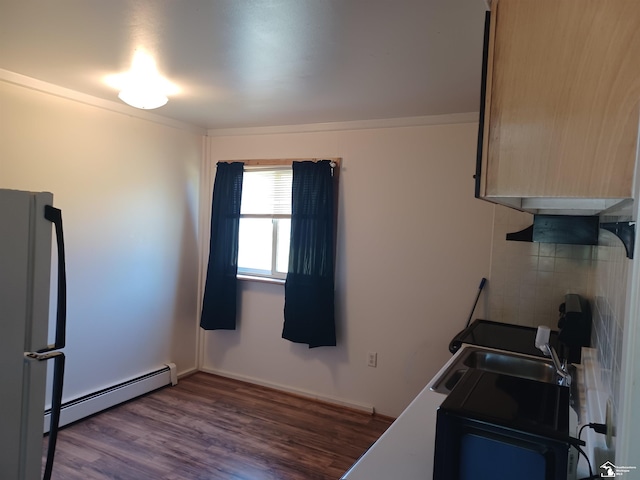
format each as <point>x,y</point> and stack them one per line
<point>27,223</point>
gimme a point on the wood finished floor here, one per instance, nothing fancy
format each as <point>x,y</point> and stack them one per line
<point>208,428</point>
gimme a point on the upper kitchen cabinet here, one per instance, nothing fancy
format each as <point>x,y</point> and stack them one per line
<point>561,107</point>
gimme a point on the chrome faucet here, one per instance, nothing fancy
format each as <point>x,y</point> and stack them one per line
<point>561,367</point>
<point>542,342</point>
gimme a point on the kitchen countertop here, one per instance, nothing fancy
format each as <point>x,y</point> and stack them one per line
<point>405,450</point>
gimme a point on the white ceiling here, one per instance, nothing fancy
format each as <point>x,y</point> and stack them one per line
<point>251,63</point>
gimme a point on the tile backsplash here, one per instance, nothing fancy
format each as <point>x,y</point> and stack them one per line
<point>528,282</point>
<point>610,271</point>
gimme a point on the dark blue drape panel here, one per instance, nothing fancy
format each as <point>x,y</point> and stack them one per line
<point>309,294</point>
<point>219,302</point>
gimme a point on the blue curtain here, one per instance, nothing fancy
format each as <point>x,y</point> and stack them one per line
<point>309,289</point>
<point>219,302</point>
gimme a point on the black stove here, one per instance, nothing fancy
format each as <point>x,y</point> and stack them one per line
<point>574,332</point>
<point>503,336</point>
<point>516,403</point>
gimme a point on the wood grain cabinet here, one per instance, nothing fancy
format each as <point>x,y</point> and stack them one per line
<point>559,126</point>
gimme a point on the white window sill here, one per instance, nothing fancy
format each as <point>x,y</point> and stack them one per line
<point>254,278</point>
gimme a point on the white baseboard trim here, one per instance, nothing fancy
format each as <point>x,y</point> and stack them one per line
<point>188,373</point>
<point>297,391</point>
<point>79,408</point>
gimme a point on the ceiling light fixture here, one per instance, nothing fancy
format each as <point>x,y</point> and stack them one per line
<point>139,97</point>
<point>142,86</point>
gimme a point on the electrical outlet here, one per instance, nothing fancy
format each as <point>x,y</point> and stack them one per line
<point>372,359</point>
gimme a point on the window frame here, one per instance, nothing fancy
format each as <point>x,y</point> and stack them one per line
<point>286,162</point>
<point>275,274</point>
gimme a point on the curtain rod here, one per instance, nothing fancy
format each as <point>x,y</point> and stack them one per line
<point>335,161</point>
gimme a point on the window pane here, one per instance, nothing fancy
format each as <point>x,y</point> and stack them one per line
<point>255,244</point>
<point>266,191</point>
<point>282,255</point>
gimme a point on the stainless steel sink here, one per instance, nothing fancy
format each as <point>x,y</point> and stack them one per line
<point>496,361</point>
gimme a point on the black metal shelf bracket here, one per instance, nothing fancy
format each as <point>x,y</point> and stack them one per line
<point>577,230</point>
<point>625,231</point>
<point>565,229</point>
<point>525,235</point>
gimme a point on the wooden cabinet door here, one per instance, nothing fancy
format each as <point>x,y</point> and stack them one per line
<point>562,100</point>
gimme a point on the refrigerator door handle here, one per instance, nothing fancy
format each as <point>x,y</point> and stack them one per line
<point>56,404</point>
<point>54,215</point>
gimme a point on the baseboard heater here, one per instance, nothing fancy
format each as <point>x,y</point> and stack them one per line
<point>95,402</point>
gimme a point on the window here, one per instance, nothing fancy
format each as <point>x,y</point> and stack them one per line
<point>265,221</point>
<point>251,228</point>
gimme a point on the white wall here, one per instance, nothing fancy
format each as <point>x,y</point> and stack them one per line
<point>413,244</point>
<point>128,189</point>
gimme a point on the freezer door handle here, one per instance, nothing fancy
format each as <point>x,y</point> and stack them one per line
<point>56,403</point>
<point>54,215</point>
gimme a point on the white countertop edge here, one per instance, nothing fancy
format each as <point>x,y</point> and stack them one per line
<point>594,397</point>
<point>405,449</point>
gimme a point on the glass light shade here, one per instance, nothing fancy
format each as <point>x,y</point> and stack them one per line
<point>142,86</point>
<point>146,99</point>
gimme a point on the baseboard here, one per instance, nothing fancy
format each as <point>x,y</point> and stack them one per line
<point>297,391</point>
<point>187,373</point>
<point>95,402</point>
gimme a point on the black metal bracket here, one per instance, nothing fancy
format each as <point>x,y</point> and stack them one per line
<point>565,229</point>
<point>625,231</point>
<point>525,235</point>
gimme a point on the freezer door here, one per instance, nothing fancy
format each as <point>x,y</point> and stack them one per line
<point>25,265</point>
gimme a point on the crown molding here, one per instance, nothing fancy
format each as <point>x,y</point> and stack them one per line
<point>471,117</point>
<point>8,76</point>
<point>58,91</point>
